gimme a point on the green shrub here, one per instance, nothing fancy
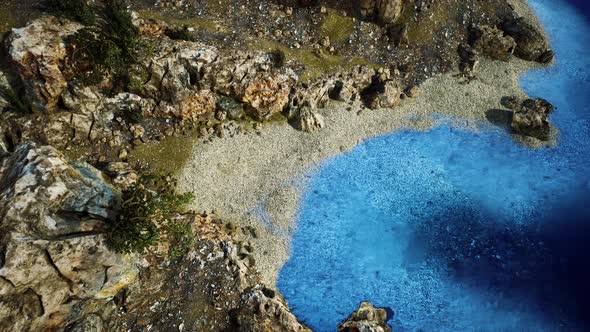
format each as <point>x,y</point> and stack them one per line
<point>15,103</point>
<point>181,238</point>
<point>146,216</point>
<point>110,47</point>
<point>76,10</point>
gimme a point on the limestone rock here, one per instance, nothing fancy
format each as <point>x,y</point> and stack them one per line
<point>175,67</point>
<point>123,176</point>
<point>384,11</point>
<point>263,309</point>
<point>366,319</point>
<point>197,105</point>
<point>267,95</point>
<point>3,86</point>
<point>492,42</point>
<point>382,93</point>
<point>38,52</point>
<point>531,44</point>
<point>56,264</point>
<point>310,121</point>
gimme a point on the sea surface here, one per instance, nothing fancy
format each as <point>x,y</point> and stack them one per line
<point>455,230</point>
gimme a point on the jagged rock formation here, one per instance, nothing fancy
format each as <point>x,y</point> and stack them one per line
<point>263,309</point>
<point>56,266</point>
<point>492,42</point>
<point>366,319</point>
<point>531,44</point>
<point>383,11</point>
<point>38,51</point>
<point>185,81</point>
<point>310,121</point>
<point>530,117</point>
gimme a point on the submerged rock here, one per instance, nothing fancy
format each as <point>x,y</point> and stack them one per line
<point>56,266</point>
<point>366,319</point>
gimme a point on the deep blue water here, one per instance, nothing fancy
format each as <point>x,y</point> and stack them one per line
<point>455,230</point>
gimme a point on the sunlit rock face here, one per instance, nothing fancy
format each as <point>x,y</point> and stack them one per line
<point>456,230</point>
<point>55,264</point>
<point>38,52</point>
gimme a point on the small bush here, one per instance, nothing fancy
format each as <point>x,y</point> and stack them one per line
<point>15,103</point>
<point>180,237</point>
<point>110,47</point>
<point>180,34</point>
<point>146,217</point>
<point>76,10</point>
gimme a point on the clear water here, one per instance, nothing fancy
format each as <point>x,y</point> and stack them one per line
<point>457,231</point>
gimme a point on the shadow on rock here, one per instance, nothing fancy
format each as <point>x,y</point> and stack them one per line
<point>500,118</point>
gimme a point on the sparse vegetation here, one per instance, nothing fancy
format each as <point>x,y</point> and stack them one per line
<point>76,10</point>
<point>180,34</point>
<point>147,217</point>
<point>15,103</point>
<point>110,47</point>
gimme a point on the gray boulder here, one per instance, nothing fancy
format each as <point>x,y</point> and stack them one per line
<point>56,265</point>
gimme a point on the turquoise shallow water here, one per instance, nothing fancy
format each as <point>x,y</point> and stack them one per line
<point>455,230</point>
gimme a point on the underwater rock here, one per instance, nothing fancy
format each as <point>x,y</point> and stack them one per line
<point>366,319</point>
<point>56,264</point>
<point>492,42</point>
<point>38,52</point>
<point>531,44</point>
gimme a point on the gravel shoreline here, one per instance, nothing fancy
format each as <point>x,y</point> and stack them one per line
<point>258,180</point>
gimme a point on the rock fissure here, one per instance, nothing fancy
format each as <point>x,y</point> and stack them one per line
<point>69,281</point>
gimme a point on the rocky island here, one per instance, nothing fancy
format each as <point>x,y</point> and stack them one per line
<point>148,147</point>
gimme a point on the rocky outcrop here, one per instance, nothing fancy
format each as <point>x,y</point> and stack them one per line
<point>38,52</point>
<point>263,309</point>
<point>492,42</point>
<point>366,319</point>
<point>531,44</point>
<point>56,266</point>
<point>383,92</point>
<point>309,121</point>
<point>384,11</point>
<point>530,118</point>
